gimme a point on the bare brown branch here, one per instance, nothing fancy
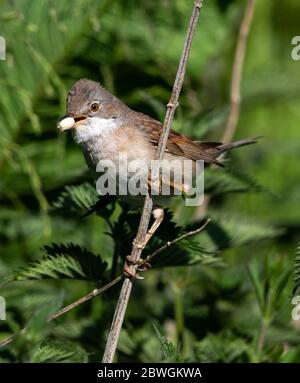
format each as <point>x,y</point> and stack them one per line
<point>235,88</point>
<point>136,252</point>
<point>237,70</point>
<point>86,298</point>
<point>150,257</point>
<point>64,310</point>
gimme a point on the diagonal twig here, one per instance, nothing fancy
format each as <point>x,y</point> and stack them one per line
<point>86,298</point>
<point>150,257</point>
<point>64,310</point>
<point>136,251</point>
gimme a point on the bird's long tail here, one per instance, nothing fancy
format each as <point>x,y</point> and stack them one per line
<point>217,150</point>
<point>236,144</point>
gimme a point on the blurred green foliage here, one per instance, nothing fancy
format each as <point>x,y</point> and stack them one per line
<point>234,304</point>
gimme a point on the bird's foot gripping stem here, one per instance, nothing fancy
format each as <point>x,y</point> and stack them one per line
<point>131,266</point>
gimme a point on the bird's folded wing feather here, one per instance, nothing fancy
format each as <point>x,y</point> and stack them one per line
<point>179,144</point>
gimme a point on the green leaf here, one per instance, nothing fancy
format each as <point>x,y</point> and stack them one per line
<point>231,230</point>
<point>170,353</point>
<point>63,262</point>
<point>30,46</point>
<point>224,347</point>
<point>27,342</point>
<point>257,285</point>
<point>186,252</point>
<point>229,180</point>
<point>76,199</point>
<point>60,351</point>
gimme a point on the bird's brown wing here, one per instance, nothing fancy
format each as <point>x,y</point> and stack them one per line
<point>179,144</point>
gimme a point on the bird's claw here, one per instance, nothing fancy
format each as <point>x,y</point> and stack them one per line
<point>132,274</point>
<point>144,266</point>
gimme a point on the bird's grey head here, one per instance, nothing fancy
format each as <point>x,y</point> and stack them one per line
<point>88,98</point>
<point>92,111</point>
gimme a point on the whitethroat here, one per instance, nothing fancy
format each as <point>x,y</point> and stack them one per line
<point>105,127</point>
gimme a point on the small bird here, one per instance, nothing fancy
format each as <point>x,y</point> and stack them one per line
<point>104,127</point>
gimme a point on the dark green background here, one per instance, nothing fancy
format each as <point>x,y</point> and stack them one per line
<point>133,47</point>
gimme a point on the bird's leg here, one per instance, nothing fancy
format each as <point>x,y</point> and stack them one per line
<point>158,215</point>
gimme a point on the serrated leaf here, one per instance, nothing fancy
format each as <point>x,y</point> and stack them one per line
<point>77,198</point>
<point>38,52</point>
<point>224,348</point>
<point>37,329</point>
<point>58,352</point>
<point>229,180</point>
<point>230,230</point>
<point>186,252</point>
<point>225,231</point>
<point>63,262</point>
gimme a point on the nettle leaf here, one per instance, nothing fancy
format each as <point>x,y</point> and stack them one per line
<point>186,252</point>
<point>38,52</point>
<point>58,351</point>
<point>225,347</point>
<point>229,180</point>
<point>77,198</point>
<point>74,329</point>
<point>83,200</point>
<point>227,231</point>
<point>34,298</point>
<point>63,262</point>
<point>36,329</point>
<point>223,232</point>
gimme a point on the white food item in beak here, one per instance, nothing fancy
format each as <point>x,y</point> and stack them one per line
<point>66,123</point>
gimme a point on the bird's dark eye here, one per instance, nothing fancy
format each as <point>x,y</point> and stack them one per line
<point>94,107</point>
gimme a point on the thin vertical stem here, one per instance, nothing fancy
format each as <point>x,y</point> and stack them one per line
<point>237,70</point>
<point>235,88</point>
<point>136,252</point>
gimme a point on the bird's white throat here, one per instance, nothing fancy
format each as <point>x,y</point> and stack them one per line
<point>94,127</point>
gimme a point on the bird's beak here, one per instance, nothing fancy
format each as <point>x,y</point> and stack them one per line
<point>68,122</point>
